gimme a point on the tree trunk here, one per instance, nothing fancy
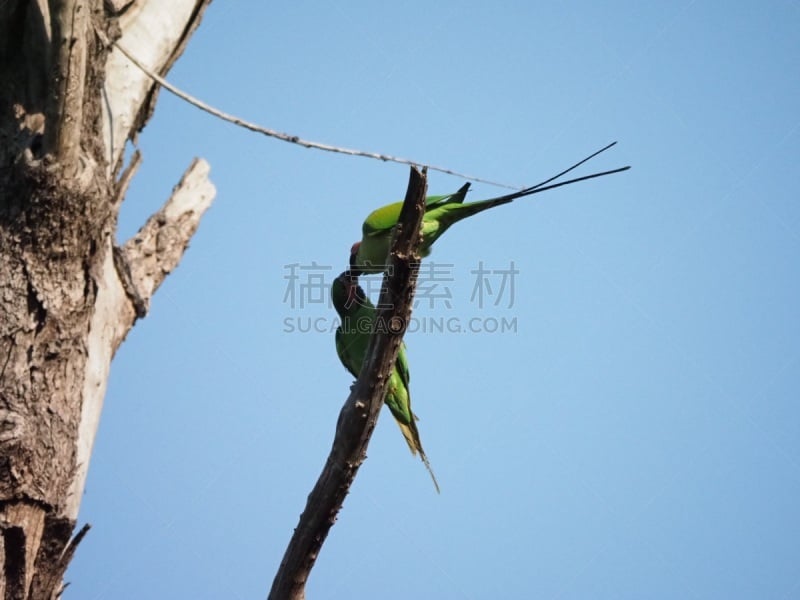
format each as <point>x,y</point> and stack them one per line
<point>69,102</point>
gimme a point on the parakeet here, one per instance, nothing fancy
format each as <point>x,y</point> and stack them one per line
<point>352,337</point>
<point>371,253</point>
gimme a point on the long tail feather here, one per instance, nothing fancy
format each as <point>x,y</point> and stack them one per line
<point>542,186</point>
<point>411,436</point>
<point>408,435</point>
<point>576,165</point>
<point>428,466</point>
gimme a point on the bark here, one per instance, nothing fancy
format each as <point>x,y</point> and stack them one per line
<point>68,296</point>
<point>360,412</point>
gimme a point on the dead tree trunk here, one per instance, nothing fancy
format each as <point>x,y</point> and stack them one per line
<point>69,102</point>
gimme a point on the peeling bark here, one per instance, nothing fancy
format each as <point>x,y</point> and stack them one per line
<point>68,297</point>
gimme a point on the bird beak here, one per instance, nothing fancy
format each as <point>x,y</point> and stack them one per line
<point>353,255</point>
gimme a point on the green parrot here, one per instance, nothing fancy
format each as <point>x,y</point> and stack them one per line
<point>358,314</point>
<point>441,212</point>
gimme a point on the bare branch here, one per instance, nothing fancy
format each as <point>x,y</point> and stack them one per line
<point>125,179</point>
<point>158,246</point>
<point>158,32</point>
<point>360,412</point>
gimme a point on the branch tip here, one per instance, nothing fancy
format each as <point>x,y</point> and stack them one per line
<point>353,431</point>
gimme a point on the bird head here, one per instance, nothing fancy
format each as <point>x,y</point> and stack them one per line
<point>346,293</point>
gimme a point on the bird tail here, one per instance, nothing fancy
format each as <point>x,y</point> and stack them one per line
<point>472,208</point>
<point>430,471</point>
<point>543,186</point>
<point>411,435</point>
<point>408,434</point>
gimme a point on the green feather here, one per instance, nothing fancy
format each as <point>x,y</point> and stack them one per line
<point>357,314</point>
<point>441,213</point>
<point>384,219</point>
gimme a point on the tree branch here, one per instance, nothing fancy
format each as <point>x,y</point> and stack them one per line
<point>359,414</point>
<point>127,279</point>
<point>124,181</point>
<point>148,29</point>
<point>156,249</point>
<point>65,302</point>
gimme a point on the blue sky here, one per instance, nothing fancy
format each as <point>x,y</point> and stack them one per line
<point>636,436</point>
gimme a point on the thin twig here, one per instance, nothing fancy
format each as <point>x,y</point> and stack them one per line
<point>293,139</point>
<point>127,176</point>
<point>360,412</point>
